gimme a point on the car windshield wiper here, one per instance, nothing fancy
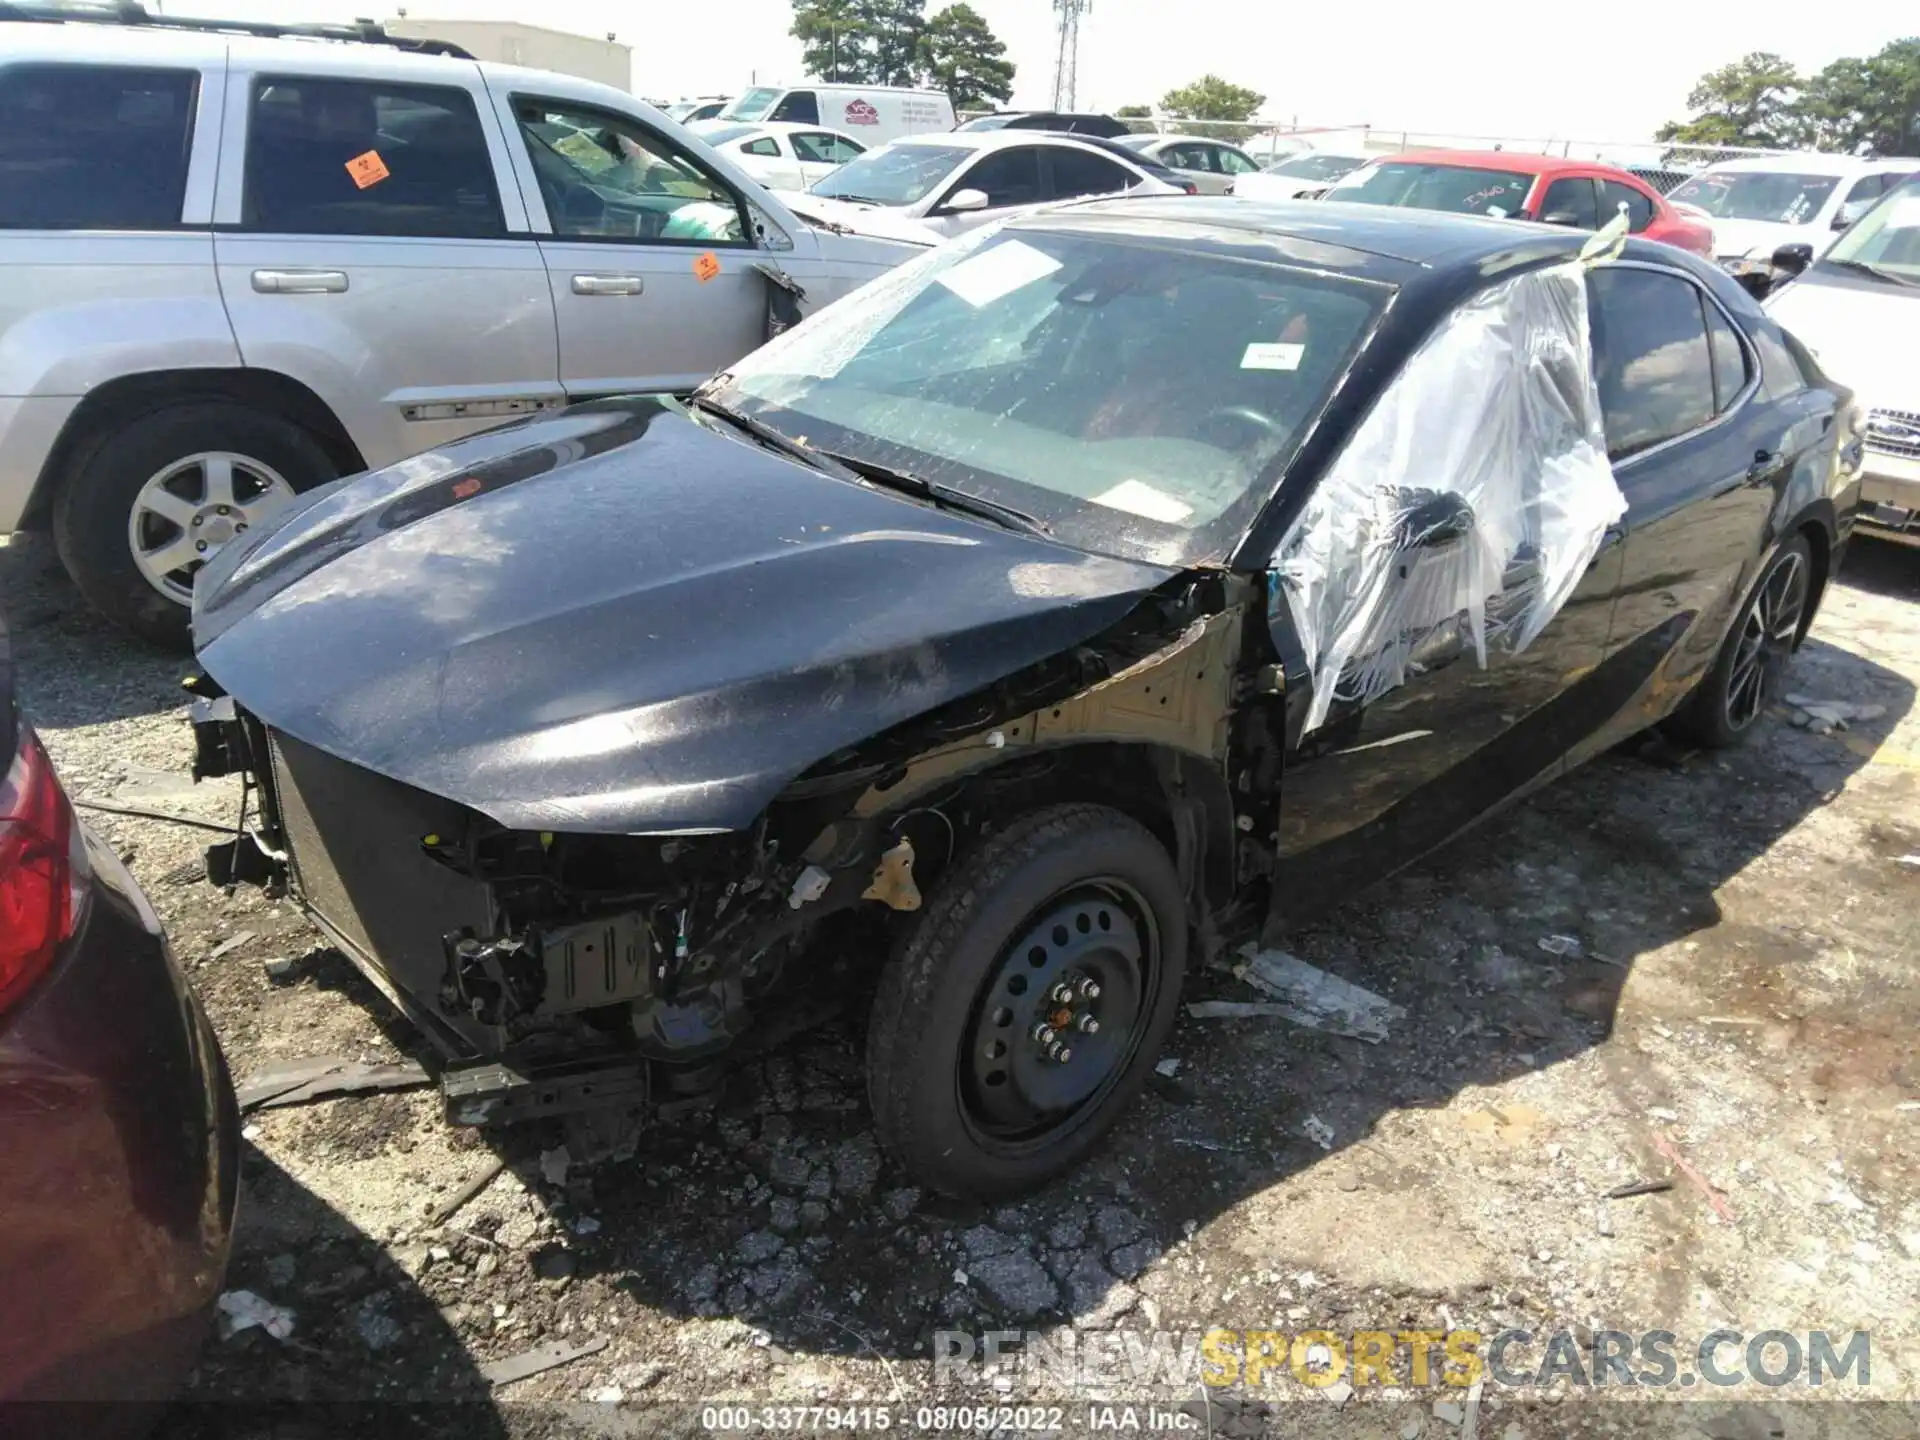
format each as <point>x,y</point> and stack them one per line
<point>852,199</point>
<point>943,496</point>
<point>771,438</point>
<point>1869,269</point>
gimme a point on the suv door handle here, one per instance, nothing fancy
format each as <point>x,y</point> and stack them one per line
<point>609,284</point>
<point>300,282</point>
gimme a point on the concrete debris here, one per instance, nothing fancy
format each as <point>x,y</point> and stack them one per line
<point>1603,1220</point>
<point>1448,1413</point>
<point>1018,1282</point>
<point>243,1310</point>
<point>299,1081</point>
<point>1566,947</point>
<point>538,1360</point>
<point>1323,1001</point>
<point>280,969</point>
<point>1318,1131</point>
<point>1823,717</point>
<point>554,1165</point>
<point>608,1395</point>
<point>1170,1066</point>
<point>1337,1393</point>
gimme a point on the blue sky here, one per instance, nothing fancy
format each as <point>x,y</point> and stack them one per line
<point>1491,67</point>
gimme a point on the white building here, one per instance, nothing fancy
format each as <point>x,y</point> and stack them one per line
<point>508,42</point>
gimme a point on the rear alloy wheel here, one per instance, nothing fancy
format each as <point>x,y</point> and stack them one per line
<point>1752,664</point>
<point>154,502</point>
<point>1025,1011</point>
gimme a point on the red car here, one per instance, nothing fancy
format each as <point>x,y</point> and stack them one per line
<point>1579,193</point>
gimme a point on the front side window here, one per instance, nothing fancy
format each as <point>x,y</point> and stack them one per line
<point>801,107</point>
<point>357,157</point>
<point>86,147</point>
<point>1655,366</point>
<point>1783,197</point>
<point>1639,208</point>
<point>1419,186</point>
<point>605,177</point>
<point>894,174</point>
<point>1234,163</point>
<point>1077,173</point>
<point>1570,202</point>
<point>1009,177</point>
<point>1140,399</point>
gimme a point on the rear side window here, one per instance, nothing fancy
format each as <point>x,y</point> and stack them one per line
<point>1076,172</point>
<point>1613,195</point>
<point>1655,367</point>
<point>1729,358</point>
<point>85,147</point>
<point>1571,198</point>
<point>351,157</point>
<point>763,146</point>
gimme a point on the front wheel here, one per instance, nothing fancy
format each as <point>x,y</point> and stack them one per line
<point>1752,664</point>
<point>1024,1013</point>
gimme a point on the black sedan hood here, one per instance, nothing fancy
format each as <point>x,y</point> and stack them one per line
<point>616,619</point>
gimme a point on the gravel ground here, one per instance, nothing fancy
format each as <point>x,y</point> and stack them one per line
<point>1739,1018</point>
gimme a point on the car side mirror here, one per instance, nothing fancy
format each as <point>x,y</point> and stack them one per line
<point>1429,518</point>
<point>965,200</point>
<point>1793,259</point>
<point>1850,212</point>
<point>1562,217</point>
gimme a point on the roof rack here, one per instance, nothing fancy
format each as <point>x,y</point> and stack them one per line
<point>128,12</point>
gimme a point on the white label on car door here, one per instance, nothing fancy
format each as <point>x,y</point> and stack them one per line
<point>1000,271</point>
<point>1278,356</point>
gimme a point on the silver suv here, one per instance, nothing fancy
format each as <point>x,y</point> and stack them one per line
<point>238,266</point>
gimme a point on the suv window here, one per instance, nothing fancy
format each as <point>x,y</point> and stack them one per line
<point>606,177</point>
<point>1075,172</point>
<point>1656,372</point>
<point>1572,196</point>
<point>1729,358</point>
<point>1639,208</point>
<point>358,157</point>
<point>1009,177</point>
<point>86,147</point>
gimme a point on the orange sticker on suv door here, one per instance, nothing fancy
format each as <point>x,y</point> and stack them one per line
<point>367,169</point>
<point>706,267</point>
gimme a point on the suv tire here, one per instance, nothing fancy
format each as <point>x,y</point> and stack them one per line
<point>93,513</point>
<point>965,1095</point>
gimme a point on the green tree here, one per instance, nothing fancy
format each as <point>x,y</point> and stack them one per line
<point>1211,98</point>
<point>1750,102</point>
<point>960,55</point>
<point>1134,112</point>
<point>1866,106</point>
<point>860,42</point>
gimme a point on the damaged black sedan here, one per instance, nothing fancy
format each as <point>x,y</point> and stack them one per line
<point>983,652</point>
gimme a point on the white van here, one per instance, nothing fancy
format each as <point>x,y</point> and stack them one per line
<point>872,114</point>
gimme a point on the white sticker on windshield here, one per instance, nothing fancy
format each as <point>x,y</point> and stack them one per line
<point>985,277</point>
<point>1278,356</point>
<point>1138,498</point>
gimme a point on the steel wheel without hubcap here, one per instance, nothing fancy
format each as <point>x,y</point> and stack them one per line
<point>187,513</point>
<point>1060,1016</point>
<point>1767,636</point>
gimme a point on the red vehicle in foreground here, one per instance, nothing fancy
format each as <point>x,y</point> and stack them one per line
<point>1581,194</point>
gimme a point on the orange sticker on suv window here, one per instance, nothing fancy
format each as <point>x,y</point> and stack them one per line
<point>706,267</point>
<point>367,169</point>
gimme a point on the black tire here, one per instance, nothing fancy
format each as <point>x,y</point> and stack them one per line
<point>1727,704</point>
<point>934,1005</point>
<point>93,508</point>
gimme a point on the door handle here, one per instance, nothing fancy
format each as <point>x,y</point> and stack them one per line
<point>609,284</point>
<point>300,282</point>
<point>1763,462</point>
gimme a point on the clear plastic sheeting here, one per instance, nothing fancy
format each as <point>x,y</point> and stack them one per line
<point>1466,506</point>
